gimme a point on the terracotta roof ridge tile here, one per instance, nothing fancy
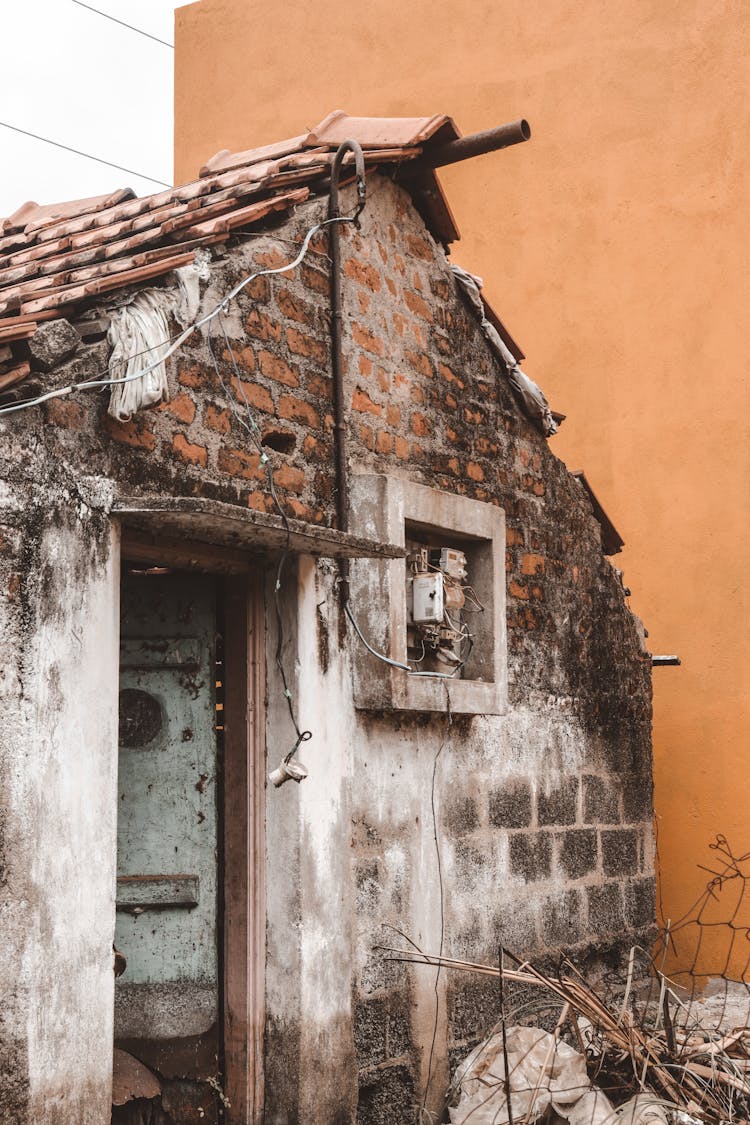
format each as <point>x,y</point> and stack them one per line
<point>225,159</point>
<point>374,132</point>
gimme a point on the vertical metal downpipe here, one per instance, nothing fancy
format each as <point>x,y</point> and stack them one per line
<point>339,404</point>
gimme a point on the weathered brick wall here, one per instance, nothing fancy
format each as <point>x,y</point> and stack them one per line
<point>542,815</point>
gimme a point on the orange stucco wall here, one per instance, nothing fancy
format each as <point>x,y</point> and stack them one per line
<point>615,247</point>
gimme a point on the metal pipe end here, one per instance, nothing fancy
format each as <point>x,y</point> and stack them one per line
<point>525,129</point>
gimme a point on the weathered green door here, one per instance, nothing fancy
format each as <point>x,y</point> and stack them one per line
<point>167,1002</point>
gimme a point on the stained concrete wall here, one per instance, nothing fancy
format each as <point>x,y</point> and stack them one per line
<point>58,766</point>
<point>613,244</point>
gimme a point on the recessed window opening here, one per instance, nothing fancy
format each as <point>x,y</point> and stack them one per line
<point>445,627</point>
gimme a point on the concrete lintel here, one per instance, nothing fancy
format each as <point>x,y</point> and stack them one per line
<point>221,524</point>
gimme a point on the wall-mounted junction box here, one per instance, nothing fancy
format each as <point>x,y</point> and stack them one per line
<point>441,610</point>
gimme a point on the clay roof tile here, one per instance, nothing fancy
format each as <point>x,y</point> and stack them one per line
<point>55,255</point>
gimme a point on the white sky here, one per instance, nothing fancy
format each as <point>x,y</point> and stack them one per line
<point>84,81</point>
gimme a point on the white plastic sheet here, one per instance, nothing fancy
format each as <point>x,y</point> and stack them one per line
<point>139,336</point>
<point>530,395</point>
<point>544,1073</point>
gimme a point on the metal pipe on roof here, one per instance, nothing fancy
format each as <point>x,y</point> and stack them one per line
<point>476,144</point>
<point>665,661</point>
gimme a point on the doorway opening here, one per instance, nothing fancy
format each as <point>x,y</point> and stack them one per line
<point>190,906</point>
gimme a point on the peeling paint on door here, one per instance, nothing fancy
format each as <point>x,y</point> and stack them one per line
<point>167,809</point>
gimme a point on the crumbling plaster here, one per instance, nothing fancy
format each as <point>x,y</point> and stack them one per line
<point>58,740</point>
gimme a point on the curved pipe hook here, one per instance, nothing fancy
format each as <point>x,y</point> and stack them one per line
<point>349,145</point>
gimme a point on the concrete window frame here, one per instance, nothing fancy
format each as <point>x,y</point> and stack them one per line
<point>392,509</point>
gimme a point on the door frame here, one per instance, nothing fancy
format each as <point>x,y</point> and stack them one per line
<point>244,876</point>
<point>243,871</point>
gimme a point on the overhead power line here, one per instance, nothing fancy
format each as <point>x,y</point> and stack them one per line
<point>87,155</point>
<point>122,23</point>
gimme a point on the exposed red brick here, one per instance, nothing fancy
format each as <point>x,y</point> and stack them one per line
<point>513,536</point>
<point>294,308</point>
<point>420,362</point>
<point>364,274</point>
<point>289,478</point>
<point>445,373</point>
<point>238,463</point>
<point>384,442</point>
<point>383,252</point>
<point>392,287</point>
<point>217,419</point>
<point>309,445</point>
<point>362,402</point>
<point>276,368</point>
<point>194,377</point>
<point>419,424</point>
<point>367,436</point>
<point>451,402</point>
<point>419,247</point>
<point>418,305</point>
<point>297,410</point>
<point>516,590</point>
<point>245,358</point>
<point>261,502</point>
<point>401,448</point>
<point>320,385</point>
<point>315,280</point>
<point>363,301</point>
<point>400,323</point>
<point>257,397</point>
<point>392,415</point>
<point>261,326</point>
<point>310,346</point>
<point>14,585</point>
<point>417,394</point>
<point>532,564</point>
<point>384,379</point>
<point>300,511</point>
<point>258,290</point>
<point>365,339</point>
<point>365,365</point>
<point>475,471</point>
<point>135,433</point>
<point>182,408</point>
<point>270,259</point>
<point>191,454</point>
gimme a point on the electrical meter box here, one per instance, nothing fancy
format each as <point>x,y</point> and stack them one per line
<point>428,603</point>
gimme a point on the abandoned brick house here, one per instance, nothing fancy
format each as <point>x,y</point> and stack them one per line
<point>193,558</point>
